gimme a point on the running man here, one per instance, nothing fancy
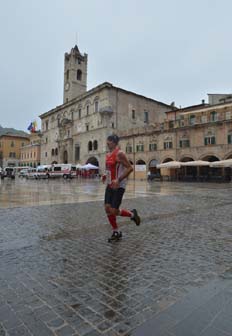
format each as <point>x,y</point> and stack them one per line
<point>118,168</point>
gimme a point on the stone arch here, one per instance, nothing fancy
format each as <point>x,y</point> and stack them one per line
<point>209,157</point>
<point>209,173</point>
<point>186,158</point>
<point>228,156</point>
<point>152,166</point>
<point>140,162</point>
<point>167,160</point>
<point>93,160</point>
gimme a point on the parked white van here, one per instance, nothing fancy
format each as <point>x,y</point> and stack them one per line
<point>65,170</point>
<point>31,173</point>
<point>42,171</point>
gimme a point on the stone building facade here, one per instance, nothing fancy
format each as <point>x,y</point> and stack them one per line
<point>30,153</point>
<point>10,149</point>
<point>76,131</point>
<point>202,132</point>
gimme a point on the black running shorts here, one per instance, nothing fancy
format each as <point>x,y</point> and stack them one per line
<point>114,197</point>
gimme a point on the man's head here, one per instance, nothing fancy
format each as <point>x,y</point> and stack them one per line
<point>112,141</point>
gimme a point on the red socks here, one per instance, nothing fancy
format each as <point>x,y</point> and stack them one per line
<point>125,213</point>
<point>112,220</point>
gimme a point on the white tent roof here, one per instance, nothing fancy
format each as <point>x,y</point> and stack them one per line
<point>89,166</point>
<point>222,163</point>
<point>170,164</point>
<point>195,163</point>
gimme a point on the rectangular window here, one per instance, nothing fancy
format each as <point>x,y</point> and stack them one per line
<point>228,115</point>
<point>128,149</point>
<point>12,144</point>
<point>204,119</point>
<point>146,117</point>
<point>46,129</point>
<point>167,144</point>
<point>184,143</point>
<point>133,114</point>
<point>87,128</point>
<point>152,147</point>
<point>210,140</point>
<point>229,138</point>
<point>77,153</point>
<point>79,113</point>
<point>192,120</point>
<point>213,116</point>
<point>96,106</point>
<point>171,124</point>
<point>139,148</point>
<point>87,109</point>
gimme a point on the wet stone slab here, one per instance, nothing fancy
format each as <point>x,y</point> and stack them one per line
<point>59,276</point>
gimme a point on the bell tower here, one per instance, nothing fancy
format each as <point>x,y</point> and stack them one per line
<point>75,74</point>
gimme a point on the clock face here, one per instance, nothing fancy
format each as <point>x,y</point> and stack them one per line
<point>67,85</point>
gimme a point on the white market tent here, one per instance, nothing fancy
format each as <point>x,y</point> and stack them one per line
<point>221,164</point>
<point>89,166</point>
<point>197,163</point>
<point>177,164</point>
<point>170,164</point>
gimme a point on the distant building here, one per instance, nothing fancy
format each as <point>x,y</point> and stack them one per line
<point>10,148</point>
<point>76,131</point>
<point>30,153</point>
<point>200,132</point>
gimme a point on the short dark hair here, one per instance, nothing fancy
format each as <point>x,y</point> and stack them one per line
<point>114,138</point>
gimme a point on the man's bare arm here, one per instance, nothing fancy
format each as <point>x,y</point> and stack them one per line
<point>126,164</point>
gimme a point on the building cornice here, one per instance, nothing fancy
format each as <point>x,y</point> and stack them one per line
<point>93,91</point>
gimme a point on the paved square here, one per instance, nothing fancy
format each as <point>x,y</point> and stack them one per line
<point>59,276</point>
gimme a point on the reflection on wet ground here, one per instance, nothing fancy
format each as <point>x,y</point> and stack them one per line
<point>59,276</point>
<point>22,192</point>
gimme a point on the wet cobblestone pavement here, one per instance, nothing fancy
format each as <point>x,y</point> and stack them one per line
<point>170,276</point>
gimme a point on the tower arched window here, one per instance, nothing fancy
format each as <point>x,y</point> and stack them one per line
<point>90,146</point>
<point>53,152</point>
<point>79,74</point>
<point>67,75</point>
<point>95,145</point>
<point>56,151</point>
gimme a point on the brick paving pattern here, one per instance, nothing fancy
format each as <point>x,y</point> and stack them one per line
<point>173,274</point>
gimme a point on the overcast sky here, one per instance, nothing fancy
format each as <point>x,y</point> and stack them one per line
<point>169,50</point>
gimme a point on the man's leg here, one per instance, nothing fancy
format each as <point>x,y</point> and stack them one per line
<point>116,202</point>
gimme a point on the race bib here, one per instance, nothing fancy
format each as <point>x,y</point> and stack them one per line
<point>108,177</point>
